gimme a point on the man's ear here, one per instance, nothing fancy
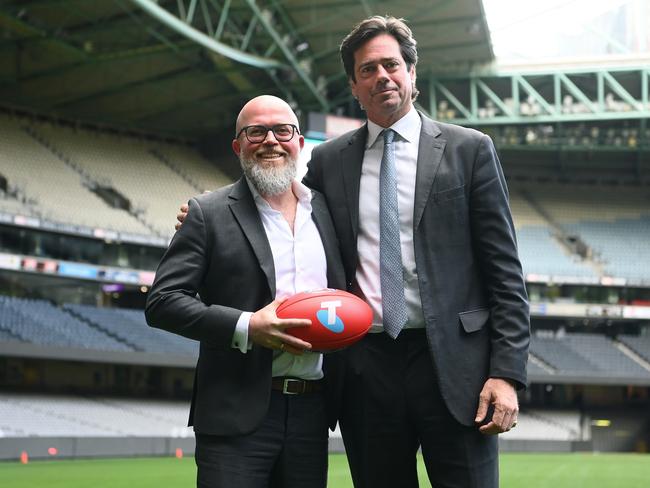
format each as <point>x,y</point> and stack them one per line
<point>236,147</point>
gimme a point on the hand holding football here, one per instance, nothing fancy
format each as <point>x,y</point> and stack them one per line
<point>338,318</point>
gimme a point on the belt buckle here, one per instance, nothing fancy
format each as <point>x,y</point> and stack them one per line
<point>289,381</point>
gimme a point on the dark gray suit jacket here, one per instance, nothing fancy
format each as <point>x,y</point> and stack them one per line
<point>471,283</point>
<point>222,254</point>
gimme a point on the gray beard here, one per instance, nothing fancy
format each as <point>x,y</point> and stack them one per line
<point>273,180</point>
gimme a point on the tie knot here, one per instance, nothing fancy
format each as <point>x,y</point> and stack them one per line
<point>389,135</point>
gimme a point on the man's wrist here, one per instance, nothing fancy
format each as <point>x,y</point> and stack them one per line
<point>240,335</point>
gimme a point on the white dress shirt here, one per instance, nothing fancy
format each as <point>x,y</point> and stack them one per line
<point>406,144</point>
<point>300,265</point>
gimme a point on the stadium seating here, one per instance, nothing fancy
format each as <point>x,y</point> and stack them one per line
<point>130,327</point>
<point>638,344</point>
<point>114,329</point>
<point>51,189</point>
<point>558,354</point>
<point>628,257</point>
<point>597,215</point>
<point>539,248</point>
<point>152,184</point>
<point>585,354</point>
<point>541,254</point>
<point>570,203</point>
<point>50,169</point>
<point>552,425</point>
<point>189,164</point>
<point>40,322</point>
<point>42,415</point>
<point>5,334</point>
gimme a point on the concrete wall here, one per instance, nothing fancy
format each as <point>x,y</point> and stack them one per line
<point>99,447</point>
<point>89,447</point>
<point>522,445</point>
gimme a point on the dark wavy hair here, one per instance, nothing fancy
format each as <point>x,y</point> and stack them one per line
<point>372,27</point>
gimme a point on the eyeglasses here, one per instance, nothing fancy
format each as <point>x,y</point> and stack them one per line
<point>257,133</point>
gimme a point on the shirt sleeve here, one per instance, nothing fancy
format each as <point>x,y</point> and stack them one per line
<point>240,336</point>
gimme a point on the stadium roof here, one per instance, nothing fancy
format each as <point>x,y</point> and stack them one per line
<point>184,67</point>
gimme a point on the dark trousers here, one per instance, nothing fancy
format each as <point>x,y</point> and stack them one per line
<point>288,450</point>
<point>392,406</point>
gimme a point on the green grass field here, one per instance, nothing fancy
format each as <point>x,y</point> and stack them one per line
<point>517,471</point>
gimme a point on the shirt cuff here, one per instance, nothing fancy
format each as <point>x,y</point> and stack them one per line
<point>240,336</point>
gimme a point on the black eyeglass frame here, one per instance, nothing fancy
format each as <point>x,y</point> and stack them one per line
<point>294,130</point>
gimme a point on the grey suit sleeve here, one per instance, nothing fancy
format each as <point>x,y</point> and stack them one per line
<point>494,241</point>
<point>311,178</point>
<point>173,303</point>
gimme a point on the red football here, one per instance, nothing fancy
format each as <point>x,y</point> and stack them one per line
<point>338,318</point>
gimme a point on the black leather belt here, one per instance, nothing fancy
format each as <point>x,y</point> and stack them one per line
<point>295,386</point>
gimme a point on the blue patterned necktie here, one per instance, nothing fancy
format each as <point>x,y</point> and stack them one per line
<point>390,250</point>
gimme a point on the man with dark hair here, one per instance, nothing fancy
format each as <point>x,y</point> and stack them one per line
<point>422,216</point>
<point>259,404</point>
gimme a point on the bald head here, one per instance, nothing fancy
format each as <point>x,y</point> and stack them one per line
<point>268,151</point>
<point>266,106</point>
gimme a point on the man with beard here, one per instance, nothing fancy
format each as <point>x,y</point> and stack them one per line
<point>259,403</point>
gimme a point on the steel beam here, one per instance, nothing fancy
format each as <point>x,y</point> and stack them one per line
<point>534,94</point>
<point>576,92</point>
<point>322,101</point>
<point>222,19</point>
<point>173,22</point>
<point>620,91</point>
<point>630,85</point>
<point>492,96</point>
<point>454,101</point>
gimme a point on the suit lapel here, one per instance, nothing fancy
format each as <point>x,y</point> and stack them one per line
<point>245,212</point>
<point>351,163</point>
<point>321,218</point>
<point>429,157</point>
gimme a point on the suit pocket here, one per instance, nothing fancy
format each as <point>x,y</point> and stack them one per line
<point>474,319</point>
<point>445,196</point>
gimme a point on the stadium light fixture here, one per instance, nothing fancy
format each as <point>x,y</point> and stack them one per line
<point>601,423</point>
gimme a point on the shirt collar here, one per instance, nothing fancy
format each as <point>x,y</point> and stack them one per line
<point>303,193</point>
<point>408,128</point>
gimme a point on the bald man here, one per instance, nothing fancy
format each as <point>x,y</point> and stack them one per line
<point>259,407</point>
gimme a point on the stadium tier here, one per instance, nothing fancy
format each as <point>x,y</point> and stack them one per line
<point>40,322</point>
<point>540,253</point>
<point>587,355</point>
<point>98,179</point>
<point>130,327</point>
<point>627,256</point>
<point>26,415</point>
<point>639,345</point>
<point>573,230</point>
<point>41,185</point>
<point>42,415</point>
<point>105,180</point>
<point>554,425</point>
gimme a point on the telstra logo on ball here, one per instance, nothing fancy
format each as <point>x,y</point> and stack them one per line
<point>328,318</point>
